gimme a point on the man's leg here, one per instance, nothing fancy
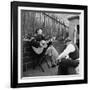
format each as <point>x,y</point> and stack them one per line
<point>51,51</point>
<point>62,68</point>
<point>67,66</point>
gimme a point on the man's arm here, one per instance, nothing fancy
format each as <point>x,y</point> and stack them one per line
<point>35,43</point>
<point>70,48</point>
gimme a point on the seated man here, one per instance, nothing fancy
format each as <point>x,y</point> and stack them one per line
<point>68,59</point>
<point>40,46</point>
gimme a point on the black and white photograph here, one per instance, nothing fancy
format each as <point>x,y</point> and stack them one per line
<point>50,44</point>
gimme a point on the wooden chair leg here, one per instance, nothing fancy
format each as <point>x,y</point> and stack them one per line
<point>47,64</point>
<point>41,67</point>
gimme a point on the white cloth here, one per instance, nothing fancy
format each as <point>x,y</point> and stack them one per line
<point>70,48</point>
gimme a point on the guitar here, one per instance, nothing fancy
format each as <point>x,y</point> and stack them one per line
<point>43,45</point>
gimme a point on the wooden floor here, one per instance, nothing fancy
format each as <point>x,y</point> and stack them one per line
<point>38,72</point>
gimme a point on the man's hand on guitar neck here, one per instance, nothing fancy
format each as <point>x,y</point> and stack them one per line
<point>53,38</point>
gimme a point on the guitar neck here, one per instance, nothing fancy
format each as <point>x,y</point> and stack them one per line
<point>50,40</point>
<point>27,39</point>
<point>47,41</point>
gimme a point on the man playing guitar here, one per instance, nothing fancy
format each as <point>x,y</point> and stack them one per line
<point>42,46</point>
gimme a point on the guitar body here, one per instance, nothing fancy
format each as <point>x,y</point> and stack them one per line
<point>38,50</point>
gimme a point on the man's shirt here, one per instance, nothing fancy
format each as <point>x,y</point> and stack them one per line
<point>70,48</point>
